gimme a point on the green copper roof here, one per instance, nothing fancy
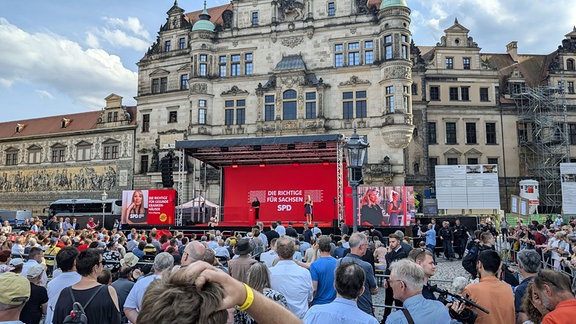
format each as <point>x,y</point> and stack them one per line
<point>203,25</point>
<point>393,3</point>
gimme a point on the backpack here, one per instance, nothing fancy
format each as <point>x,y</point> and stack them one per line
<point>469,261</point>
<point>77,314</point>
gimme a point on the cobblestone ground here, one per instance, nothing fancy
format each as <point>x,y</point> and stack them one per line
<point>446,271</point>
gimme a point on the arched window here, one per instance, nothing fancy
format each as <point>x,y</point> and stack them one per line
<point>289,104</point>
<point>570,65</point>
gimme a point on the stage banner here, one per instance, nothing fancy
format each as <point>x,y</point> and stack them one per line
<point>279,192</point>
<point>148,207</point>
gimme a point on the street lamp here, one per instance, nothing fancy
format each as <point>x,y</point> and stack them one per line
<point>104,197</point>
<point>355,154</point>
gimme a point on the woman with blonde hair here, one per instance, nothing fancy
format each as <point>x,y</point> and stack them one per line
<point>370,210</point>
<point>259,279</point>
<point>308,209</point>
<point>136,212</point>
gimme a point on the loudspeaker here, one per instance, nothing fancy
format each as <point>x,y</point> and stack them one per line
<point>166,169</point>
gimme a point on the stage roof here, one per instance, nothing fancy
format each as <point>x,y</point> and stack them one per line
<point>263,150</point>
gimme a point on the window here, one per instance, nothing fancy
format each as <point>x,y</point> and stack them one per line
<point>167,46</point>
<point>203,67</point>
<point>390,99</point>
<point>58,153</point>
<point>451,133</point>
<point>202,104</point>
<point>184,82</point>
<point>484,94</point>
<point>453,94</point>
<point>465,93</point>
<point>182,43</point>
<point>522,132</point>
<point>143,164</point>
<point>172,117</point>
<point>115,116</point>
<point>159,85</point>
<point>110,150</point>
<point>406,99</point>
<point>351,100</point>
<point>353,54</point>
<point>414,89</point>
<point>83,151</point>
<point>471,133</point>
<point>472,160</point>
<point>452,161</point>
<point>449,63</point>
<point>331,9</point>
<point>235,67</point>
<point>222,66</point>
<point>432,163</point>
<point>109,117</point>
<point>572,134</point>
<point>235,108</point>
<point>571,87</point>
<point>516,87</point>
<point>466,63</point>
<point>570,65</point>
<point>368,52</point>
<point>435,93</point>
<point>493,161</point>
<point>310,105</point>
<point>289,105</point>
<point>248,64</point>
<point>405,47</point>
<point>490,133</point>
<point>145,123</point>
<point>416,168</point>
<point>432,133</point>
<point>338,55</point>
<point>255,18</point>
<point>12,156</point>
<point>388,47</point>
<point>34,154</point>
<point>269,107</point>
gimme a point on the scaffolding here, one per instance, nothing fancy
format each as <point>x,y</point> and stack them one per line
<point>543,139</point>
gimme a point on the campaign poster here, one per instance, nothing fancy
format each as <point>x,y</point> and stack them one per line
<point>280,192</point>
<point>386,206</point>
<point>148,207</point>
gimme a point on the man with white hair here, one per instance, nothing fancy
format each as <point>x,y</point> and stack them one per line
<point>162,261</point>
<point>407,280</point>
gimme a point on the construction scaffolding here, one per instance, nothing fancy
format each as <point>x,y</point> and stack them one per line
<point>543,140</point>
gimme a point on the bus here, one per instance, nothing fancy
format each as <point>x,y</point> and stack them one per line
<point>101,210</point>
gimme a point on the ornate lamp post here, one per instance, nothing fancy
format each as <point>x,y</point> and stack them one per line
<point>104,197</point>
<point>356,150</point>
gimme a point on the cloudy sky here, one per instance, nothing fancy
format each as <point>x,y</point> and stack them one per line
<point>64,56</point>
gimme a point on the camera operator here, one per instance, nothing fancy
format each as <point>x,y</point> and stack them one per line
<point>491,293</point>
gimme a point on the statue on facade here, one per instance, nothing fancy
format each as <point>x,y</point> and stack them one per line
<point>291,8</point>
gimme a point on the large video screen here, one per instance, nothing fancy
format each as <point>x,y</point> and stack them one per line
<point>386,206</point>
<point>148,207</point>
<point>280,191</point>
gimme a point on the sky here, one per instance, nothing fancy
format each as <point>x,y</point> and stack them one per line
<point>66,56</point>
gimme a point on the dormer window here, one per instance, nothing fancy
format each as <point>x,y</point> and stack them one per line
<point>65,122</point>
<point>19,128</point>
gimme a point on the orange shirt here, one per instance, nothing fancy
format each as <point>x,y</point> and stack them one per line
<point>563,313</point>
<point>496,297</point>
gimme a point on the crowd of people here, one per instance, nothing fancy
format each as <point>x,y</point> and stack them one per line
<point>276,274</point>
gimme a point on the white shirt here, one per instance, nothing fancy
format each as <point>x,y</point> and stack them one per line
<point>295,283</point>
<point>27,265</point>
<point>316,230</point>
<point>281,230</point>
<point>55,286</point>
<point>268,258</point>
<point>17,249</point>
<point>134,299</point>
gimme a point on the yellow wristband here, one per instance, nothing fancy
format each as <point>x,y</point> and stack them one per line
<point>249,299</point>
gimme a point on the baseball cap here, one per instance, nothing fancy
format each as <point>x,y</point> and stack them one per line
<point>53,240</point>
<point>16,262</point>
<point>35,270</point>
<point>15,289</point>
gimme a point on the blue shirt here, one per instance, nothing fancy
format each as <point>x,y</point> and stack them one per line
<point>422,311</point>
<point>431,237</point>
<point>340,311</point>
<point>364,300</point>
<point>322,271</point>
<point>519,292</point>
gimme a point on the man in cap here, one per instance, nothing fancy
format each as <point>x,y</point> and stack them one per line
<point>14,294</point>
<point>238,267</point>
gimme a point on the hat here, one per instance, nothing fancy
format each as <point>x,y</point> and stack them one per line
<point>16,262</point>
<point>35,270</point>
<point>130,260</point>
<point>243,247</point>
<point>53,240</point>
<point>15,289</point>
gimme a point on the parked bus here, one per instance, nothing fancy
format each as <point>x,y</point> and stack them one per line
<point>83,209</point>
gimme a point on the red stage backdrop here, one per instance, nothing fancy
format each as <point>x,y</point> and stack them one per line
<point>158,207</point>
<point>281,190</point>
